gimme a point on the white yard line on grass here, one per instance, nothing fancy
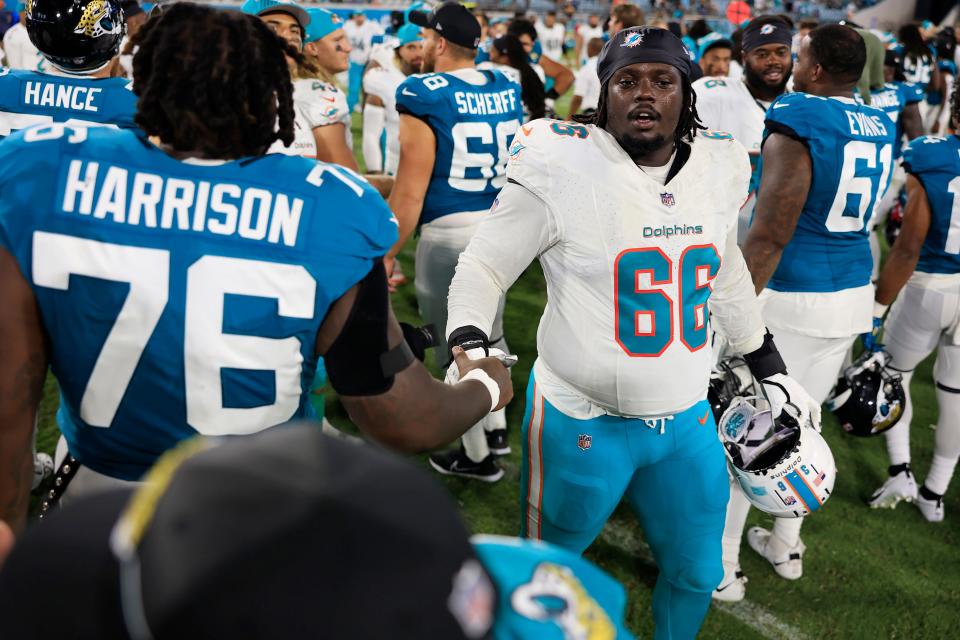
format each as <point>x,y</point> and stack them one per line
<point>749,613</point>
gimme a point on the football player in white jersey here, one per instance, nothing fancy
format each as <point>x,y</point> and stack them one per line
<point>586,32</point>
<point>19,51</point>
<point>551,35</point>
<point>826,162</point>
<point>380,84</point>
<point>326,45</point>
<point>738,106</point>
<point>631,217</point>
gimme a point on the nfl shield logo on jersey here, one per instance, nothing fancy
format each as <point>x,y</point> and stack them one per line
<point>584,441</point>
<point>667,199</point>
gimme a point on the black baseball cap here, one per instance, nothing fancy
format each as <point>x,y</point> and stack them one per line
<point>453,21</point>
<point>287,533</point>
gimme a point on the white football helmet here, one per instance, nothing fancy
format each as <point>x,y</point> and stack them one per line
<point>785,469</point>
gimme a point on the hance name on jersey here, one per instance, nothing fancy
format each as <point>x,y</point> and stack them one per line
<point>133,197</point>
<point>486,103</point>
<point>884,99</point>
<point>862,124</point>
<point>63,96</point>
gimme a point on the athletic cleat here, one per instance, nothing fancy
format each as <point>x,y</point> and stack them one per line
<point>497,442</point>
<point>786,561</point>
<point>456,463</point>
<point>900,486</point>
<point>733,587</point>
<point>42,469</point>
<point>930,505</point>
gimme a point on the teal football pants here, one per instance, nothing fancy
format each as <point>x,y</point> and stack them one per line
<point>575,472</point>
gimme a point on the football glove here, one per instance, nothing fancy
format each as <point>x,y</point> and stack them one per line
<point>786,394</point>
<point>871,340</point>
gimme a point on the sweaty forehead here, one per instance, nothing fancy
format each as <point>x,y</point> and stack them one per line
<point>641,69</point>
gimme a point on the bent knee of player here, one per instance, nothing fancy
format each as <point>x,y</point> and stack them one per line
<point>702,577</point>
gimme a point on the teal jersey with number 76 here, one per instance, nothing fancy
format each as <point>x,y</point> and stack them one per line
<point>179,297</point>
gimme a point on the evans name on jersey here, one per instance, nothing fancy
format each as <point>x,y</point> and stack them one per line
<point>851,153</point>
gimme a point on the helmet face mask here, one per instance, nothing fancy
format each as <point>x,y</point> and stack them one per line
<point>785,468</point>
<point>76,36</point>
<point>868,399</point>
<point>730,378</point>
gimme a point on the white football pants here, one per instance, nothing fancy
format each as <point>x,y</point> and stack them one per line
<point>922,319</point>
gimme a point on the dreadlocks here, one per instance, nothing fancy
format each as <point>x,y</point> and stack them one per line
<point>687,126</point>
<point>213,81</point>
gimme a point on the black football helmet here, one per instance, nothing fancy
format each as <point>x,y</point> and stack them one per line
<point>868,399</point>
<point>729,379</point>
<point>77,36</point>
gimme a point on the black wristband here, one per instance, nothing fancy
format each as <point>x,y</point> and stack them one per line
<point>419,338</point>
<point>765,361</point>
<point>468,337</point>
<point>552,94</point>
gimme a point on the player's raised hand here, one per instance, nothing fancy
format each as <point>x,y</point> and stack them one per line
<point>490,370</point>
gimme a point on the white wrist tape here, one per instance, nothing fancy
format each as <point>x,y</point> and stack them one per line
<point>492,388</point>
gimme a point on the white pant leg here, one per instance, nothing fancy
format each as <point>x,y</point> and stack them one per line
<point>812,361</point>
<point>914,329</point>
<point>86,481</point>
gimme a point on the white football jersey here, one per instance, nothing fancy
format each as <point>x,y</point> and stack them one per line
<point>552,39</point>
<point>383,82</point>
<point>726,104</point>
<point>20,51</point>
<point>630,264</point>
<point>316,104</point>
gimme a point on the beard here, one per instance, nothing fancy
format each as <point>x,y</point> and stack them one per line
<point>638,148</point>
<point>428,64</point>
<point>756,80</point>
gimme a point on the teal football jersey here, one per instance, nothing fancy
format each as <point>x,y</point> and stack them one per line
<point>474,126</point>
<point>545,592</point>
<point>935,162</point>
<point>29,98</point>
<point>179,297</point>
<point>851,151</point>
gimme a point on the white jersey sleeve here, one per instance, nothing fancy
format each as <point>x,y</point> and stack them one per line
<point>321,103</point>
<point>519,227</point>
<point>378,82</point>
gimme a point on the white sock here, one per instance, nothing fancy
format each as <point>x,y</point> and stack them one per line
<point>475,443</point>
<point>946,448</point>
<point>496,420</point>
<point>788,530</point>
<point>737,509</point>
<point>898,438</point>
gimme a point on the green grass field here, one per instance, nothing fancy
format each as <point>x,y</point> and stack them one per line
<point>867,574</point>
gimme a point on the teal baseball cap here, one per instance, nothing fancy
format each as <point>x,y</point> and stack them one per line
<point>712,40</point>
<point>262,7</point>
<point>408,34</point>
<point>322,24</point>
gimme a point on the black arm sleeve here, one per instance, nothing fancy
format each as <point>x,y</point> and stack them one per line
<point>354,361</point>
